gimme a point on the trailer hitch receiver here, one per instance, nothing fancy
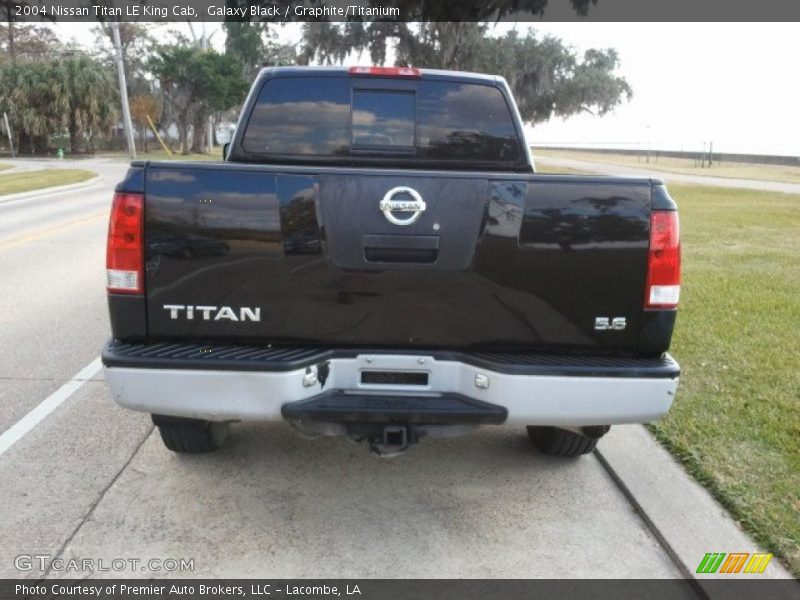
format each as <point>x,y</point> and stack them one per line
<point>393,440</point>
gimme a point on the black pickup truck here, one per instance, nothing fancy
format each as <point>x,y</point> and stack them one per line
<point>376,257</point>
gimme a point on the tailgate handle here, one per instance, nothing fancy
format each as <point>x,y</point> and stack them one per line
<point>401,248</point>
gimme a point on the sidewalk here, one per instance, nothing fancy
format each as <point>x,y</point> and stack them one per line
<point>682,514</point>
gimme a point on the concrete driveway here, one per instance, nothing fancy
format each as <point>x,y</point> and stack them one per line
<point>83,478</point>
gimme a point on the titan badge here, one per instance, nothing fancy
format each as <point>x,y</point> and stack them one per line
<point>212,313</point>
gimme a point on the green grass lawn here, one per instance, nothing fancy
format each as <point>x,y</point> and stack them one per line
<point>159,154</point>
<point>26,181</point>
<point>735,423</point>
<point>5,166</point>
<point>790,174</point>
<point>556,170</point>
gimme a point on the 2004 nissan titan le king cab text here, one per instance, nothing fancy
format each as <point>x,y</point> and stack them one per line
<point>377,258</point>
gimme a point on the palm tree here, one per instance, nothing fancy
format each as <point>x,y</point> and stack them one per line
<point>43,98</point>
<point>34,101</point>
<point>90,98</point>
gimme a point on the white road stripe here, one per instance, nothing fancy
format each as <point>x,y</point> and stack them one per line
<point>18,430</point>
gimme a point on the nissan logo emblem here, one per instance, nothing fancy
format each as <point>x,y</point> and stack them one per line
<point>415,206</point>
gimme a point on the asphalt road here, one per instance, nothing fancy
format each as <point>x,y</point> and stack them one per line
<point>91,480</point>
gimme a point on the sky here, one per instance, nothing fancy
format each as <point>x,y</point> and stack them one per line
<point>736,85</point>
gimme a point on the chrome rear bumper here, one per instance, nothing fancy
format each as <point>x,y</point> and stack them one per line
<point>202,388</point>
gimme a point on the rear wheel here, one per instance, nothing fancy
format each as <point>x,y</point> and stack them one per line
<point>191,436</point>
<point>560,442</point>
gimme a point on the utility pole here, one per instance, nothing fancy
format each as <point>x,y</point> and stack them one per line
<point>210,121</point>
<point>10,137</point>
<point>11,45</point>
<point>123,91</point>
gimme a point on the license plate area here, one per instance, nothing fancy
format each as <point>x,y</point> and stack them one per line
<point>403,378</point>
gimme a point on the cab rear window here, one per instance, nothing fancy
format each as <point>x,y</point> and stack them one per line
<point>383,119</point>
<point>300,116</point>
<point>337,117</point>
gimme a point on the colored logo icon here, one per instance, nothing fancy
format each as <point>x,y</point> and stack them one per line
<point>735,562</point>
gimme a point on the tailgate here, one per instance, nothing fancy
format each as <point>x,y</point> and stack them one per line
<point>357,257</point>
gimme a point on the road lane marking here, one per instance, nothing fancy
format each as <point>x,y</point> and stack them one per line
<point>18,430</point>
<point>41,233</point>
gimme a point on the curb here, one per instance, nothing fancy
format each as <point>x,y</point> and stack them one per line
<point>682,515</point>
<point>50,191</point>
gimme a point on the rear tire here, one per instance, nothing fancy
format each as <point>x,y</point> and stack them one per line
<point>191,436</point>
<point>560,442</point>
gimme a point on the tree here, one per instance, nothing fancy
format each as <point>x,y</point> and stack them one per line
<point>244,42</point>
<point>255,45</point>
<point>24,42</point>
<point>43,98</point>
<point>135,41</point>
<point>194,83</point>
<point>219,85</point>
<point>142,107</point>
<point>278,54</point>
<point>332,43</point>
<point>170,65</point>
<point>546,76</point>
<point>90,94</point>
<point>35,103</point>
<point>11,32</point>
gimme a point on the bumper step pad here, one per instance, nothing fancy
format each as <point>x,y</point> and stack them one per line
<point>338,407</point>
<point>287,358</point>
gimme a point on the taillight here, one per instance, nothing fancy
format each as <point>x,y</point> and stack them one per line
<point>125,250</point>
<point>664,262</point>
<point>386,71</point>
